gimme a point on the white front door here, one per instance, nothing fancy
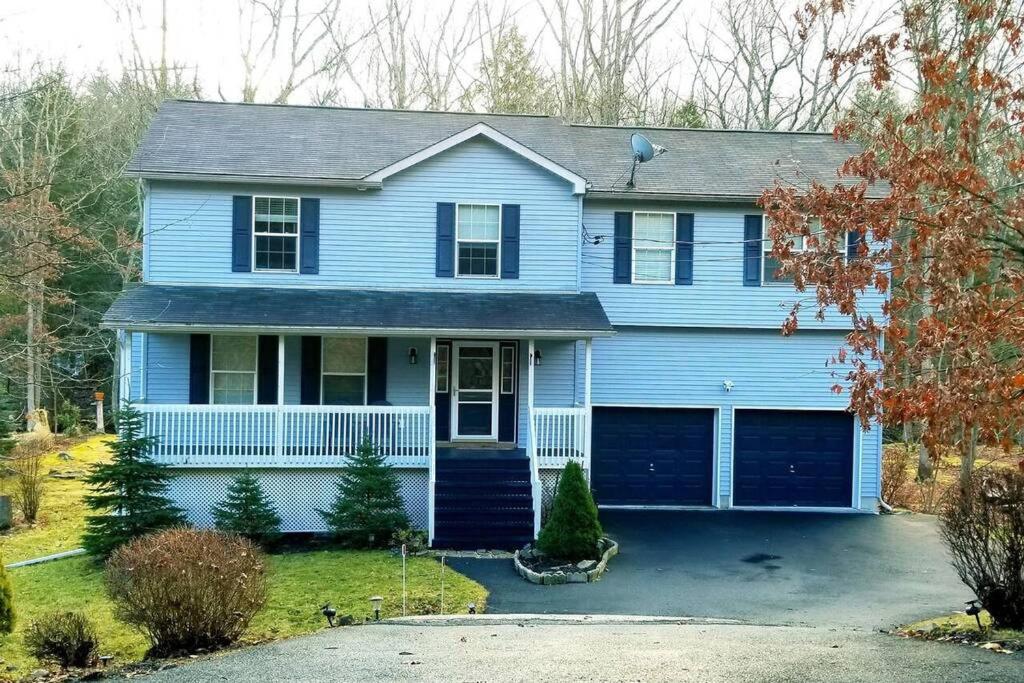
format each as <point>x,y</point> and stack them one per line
<point>475,384</point>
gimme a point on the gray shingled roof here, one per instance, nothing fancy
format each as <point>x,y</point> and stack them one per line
<point>177,306</point>
<point>325,144</point>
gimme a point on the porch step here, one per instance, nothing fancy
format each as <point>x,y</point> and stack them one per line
<point>483,502</point>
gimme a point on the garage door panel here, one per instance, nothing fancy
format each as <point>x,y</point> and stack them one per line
<point>652,456</point>
<point>793,458</point>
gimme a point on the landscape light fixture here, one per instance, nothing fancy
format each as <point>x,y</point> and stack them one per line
<point>974,610</point>
<point>472,607</point>
<point>329,612</point>
<point>375,602</point>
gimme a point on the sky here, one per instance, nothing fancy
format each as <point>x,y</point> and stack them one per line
<point>204,34</point>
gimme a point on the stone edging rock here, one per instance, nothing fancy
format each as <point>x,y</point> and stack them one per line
<point>560,577</point>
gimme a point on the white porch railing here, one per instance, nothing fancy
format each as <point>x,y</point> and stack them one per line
<point>286,436</point>
<point>560,435</point>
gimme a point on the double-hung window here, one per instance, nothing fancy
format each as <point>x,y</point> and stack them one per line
<point>801,243</point>
<point>654,247</point>
<point>343,380</point>
<point>478,238</point>
<point>233,369</point>
<point>275,234</point>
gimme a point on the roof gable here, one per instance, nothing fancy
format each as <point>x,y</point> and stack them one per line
<point>579,184</point>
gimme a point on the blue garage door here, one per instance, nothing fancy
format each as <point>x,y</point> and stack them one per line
<point>653,456</point>
<point>793,458</point>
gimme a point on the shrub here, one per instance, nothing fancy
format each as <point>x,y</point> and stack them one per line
<point>896,460</point>
<point>129,492</point>
<point>983,526</point>
<point>572,530</point>
<point>248,512</point>
<point>187,589</point>
<point>368,508</point>
<point>69,419</point>
<point>414,540</point>
<point>65,638</point>
<point>6,602</point>
<point>29,478</point>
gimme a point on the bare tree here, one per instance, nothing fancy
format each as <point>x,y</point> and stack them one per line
<point>755,65</point>
<point>599,43</point>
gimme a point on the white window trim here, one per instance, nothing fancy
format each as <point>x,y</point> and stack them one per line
<point>802,249</point>
<point>364,374</point>
<point>497,265</point>
<point>298,235</point>
<point>671,248</point>
<point>501,370</point>
<point>255,371</point>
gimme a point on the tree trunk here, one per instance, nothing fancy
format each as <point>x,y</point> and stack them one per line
<point>968,454</point>
<point>30,367</point>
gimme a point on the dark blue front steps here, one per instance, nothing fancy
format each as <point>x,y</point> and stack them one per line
<point>482,501</point>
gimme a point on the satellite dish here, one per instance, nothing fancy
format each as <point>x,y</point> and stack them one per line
<point>643,150</point>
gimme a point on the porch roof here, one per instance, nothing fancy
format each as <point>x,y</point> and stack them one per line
<point>181,308</point>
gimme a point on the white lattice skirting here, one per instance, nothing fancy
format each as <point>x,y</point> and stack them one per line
<point>549,482</point>
<point>297,493</point>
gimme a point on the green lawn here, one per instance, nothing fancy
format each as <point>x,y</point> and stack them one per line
<point>300,582</point>
<point>962,624</point>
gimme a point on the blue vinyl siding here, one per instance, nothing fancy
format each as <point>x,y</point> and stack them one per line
<point>135,384</point>
<point>377,238</point>
<point>687,368</point>
<point>167,368</point>
<point>717,297</point>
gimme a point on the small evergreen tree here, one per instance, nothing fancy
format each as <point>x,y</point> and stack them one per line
<point>572,530</point>
<point>248,512</point>
<point>129,492</point>
<point>6,602</point>
<point>368,507</point>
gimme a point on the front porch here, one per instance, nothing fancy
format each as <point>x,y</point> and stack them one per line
<point>284,397</point>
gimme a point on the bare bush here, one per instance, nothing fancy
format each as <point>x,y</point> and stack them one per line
<point>187,589</point>
<point>27,492</point>
<point>65,638</point>
<point>896,474</point>
<point>983,526</point>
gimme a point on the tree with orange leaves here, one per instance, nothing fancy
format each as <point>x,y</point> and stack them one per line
<point>944,240</point>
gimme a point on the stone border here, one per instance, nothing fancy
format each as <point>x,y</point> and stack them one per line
<point>560,577</point>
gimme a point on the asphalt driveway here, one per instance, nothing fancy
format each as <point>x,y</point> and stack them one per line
<point>861,571</point>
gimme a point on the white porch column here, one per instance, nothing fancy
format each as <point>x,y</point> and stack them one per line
<point>433,440</point>
<point>279,412</point>
<point>538,491</point>
<point>587,404</point>
<point>124,379</point>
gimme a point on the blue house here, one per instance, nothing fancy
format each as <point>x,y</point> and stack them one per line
<point>485,298</point>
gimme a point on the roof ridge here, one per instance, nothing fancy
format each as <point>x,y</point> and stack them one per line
<point>703,130</point>
<point>325,107</point>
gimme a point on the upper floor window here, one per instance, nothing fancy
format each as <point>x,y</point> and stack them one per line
<point>275,232</point>
<point>233,369</point>
<point>478,239</point>
<point>343,379</point>
<point>801,243</point>
<point>654,247</point>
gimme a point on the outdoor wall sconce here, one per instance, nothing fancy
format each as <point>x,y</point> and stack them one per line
<point>537,357</point>
<point>728,385</point>
<point>375,602</point>
<point>412,355</point>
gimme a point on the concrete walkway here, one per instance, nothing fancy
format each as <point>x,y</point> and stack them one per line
<point>832,570</point>
<point>525,651</point>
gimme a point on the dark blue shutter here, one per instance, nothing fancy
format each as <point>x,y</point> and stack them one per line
<point>266,370</point>
<point>443,400</point>
<point>241,234</point>
<point>309,236</point>
<point>376,370</point>
<point>507,403</point>
<point>309,379</point>
<point>199,369</point>
<point>622,273</point>
<point>509,241</point>
<point>684,248</point>
<point>853,240</point>
<point>752,250</point>
<point>445,240</point>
